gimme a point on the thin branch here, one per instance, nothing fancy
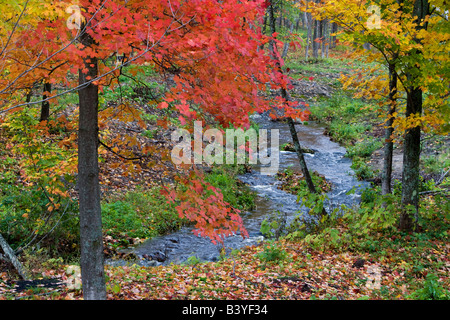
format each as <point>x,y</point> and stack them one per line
<point>14,28</point>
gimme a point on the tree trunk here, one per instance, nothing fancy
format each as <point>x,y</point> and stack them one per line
<point>45,107</point>
<point>411,158</point>
<point>411,154</point>
<point>334,29</point>
<point>386,176</point>
<point>287,44</point>
<point>324,37</point>
<point>92,260</point>
<point>314,43</point>
<point>309,33</point>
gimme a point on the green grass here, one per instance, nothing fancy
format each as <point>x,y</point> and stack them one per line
<point>436,164</point>
<point>364,149</point>
<point>235,192</point>
<point>139,213</point>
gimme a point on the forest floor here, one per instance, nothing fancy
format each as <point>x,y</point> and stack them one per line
<point>400,267</point>
<point>335,262</point>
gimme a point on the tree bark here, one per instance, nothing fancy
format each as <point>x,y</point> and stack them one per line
<point>411,159</point>
<point>92,259</point>
<point>324,38</point>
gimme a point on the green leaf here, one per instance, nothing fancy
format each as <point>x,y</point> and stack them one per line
<point>116,288</point>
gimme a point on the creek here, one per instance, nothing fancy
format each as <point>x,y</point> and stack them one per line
<point>328,160</point>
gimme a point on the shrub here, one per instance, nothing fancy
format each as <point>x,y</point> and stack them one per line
<point>26,220</point>
<point>272,253</point>
<point>362,170</point>
<point>432,290</point>
<point>234,192</point>
<point>120,218</point>
<point>363,149</point>
<point>140,213</point>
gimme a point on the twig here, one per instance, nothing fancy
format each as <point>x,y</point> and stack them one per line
<point>441,179</point>
<point>434,192</point>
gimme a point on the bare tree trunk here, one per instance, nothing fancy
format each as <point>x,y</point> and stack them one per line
<point>323,37</point>
<point>92,260</point>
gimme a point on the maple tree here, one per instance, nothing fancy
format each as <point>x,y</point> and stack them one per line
<point>210,47</point>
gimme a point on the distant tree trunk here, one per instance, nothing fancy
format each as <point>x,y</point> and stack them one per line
<point>92,260</point>
<point>324,38</point>
<point>280,18</point>
<point>264,24</point>
<point>334,29</point>
<point>386,176</point>
<point>29,95</point>
<point>45,107</point>
<point>411,154</point>
<point>320,36</point>
<point>314,43</point>
<point>309,32</point>
<point>287,44</point>
<point>301,18</point>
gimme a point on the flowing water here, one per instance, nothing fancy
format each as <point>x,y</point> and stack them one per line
<point>328,160</point>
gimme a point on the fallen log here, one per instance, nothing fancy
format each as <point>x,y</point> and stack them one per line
<point>11,257</point>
